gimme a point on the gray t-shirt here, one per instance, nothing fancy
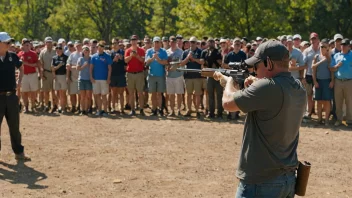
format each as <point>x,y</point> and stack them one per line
<point>298,56</point>
<point>308,56</point>
<point>174,56</point>
<point>323,72</point>
<point>275,110</point>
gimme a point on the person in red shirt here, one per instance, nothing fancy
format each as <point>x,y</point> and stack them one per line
<point>134,57</point>
<point>30,82</point>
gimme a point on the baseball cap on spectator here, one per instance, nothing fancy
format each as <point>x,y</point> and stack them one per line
<point>289,38</point>
<point>211,39</point>
<point>223,40</point>
<point>193,39</point>
<point>156,39</point>
<point>85,48</point>
<point>245,39</point>
<point>236,39</point>
<point>325,40</point>
<point>5,37</point>
<point>304,43</point>
<point>338,36</point>
<point>126,41</point>
<point>179,36</point>
<point>297,36</point>
<point>259,38</point>
<point>61,40</point>
<point>331,41</point>
<point>101,44</point>
<point>172,38</point>
<point>345,41</point>
<point>273,49</point>
<point>134,37</point>
<point>77,42</point>
<point>25,40</point>
<point>48,39</point>
<point>313,35</point>
<point>70,43</point>
<point>59,46</point>
<point>165,38</point>
<point>283,37</point>
<point>146,40</point>
<point>254,44</point>
<point>85,40</point>
<point>94,41</point>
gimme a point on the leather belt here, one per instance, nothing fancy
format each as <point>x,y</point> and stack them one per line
<point>7,93</point>
<point>135,72</point>
<point>30,73</point>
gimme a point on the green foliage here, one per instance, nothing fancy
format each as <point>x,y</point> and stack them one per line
<point>104,19</point>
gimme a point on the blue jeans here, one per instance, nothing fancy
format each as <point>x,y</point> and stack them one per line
<point>280,187</point>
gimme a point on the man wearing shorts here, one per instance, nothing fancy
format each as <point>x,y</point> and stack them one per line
<point>30,81</point>
<point>191,58</point>
<point>134,57</point>
<point>174,80</point>
<point>100,71</point>
<point>156,59</point>
<point>308,56</point>
<point>58,69</point>
<point>46,58</point>
<point>72,75</point>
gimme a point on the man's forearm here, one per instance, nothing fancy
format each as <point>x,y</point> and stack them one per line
<point>20,74</point>
<point>128,58</point>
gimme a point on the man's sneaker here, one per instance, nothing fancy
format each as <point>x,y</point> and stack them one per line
<point>161,112</point>
<point>132,113</point>
<point>46,109</point>
<point>112,110</point>
<point>98,113</point>
<point>219,116</point>
<point>73,109</point>
<point>103,113</point>
<point>127,107</point>
<point>198,114</point>
<point>308,116</point>
<point>60,110</point>
<point>146,106</point>
<point>210,115</point>
<point>337,123</point>
<point>22,157</point>
<point>53,109</point>
<point>82,113</point>
<point>26,110</point>
<point>178,113</point>
<point>188,114</point>
<point>172,114</point>
<point>237,116</point>
<point>154,112</point>
<point>141,112</point>
<point>90,111</point>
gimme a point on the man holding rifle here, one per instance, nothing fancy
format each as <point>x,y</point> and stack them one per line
<point>275,103</point>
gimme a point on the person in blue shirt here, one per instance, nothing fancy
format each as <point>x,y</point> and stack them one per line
<point>192,59</point>
<point>341,65</point>
<point>84,83</point>
<point>100,73</point>
<point>156,59</point>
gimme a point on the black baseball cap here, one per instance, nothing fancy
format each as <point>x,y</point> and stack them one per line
<point>345,42</point>
<point>273,49</point>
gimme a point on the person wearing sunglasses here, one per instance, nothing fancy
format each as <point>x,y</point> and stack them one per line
<point>275,103</point>
<point>323,84</point>
<point>341,65</point>
<point>9,63</point>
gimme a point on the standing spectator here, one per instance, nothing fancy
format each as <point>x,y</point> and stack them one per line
<point>297,41</point>
<point>234,56</point>
<point>93,46</point>
<point>166,44</point>
<point>156,59</point>
<point>304,46</point>
<point>134,57</point>
<point>191,58</point>
<point>283,39</point>
<point>30,80</point>
<point>70,49</point>
<point>341,64</point>
<point>62,42</point>
<point>148,45</point>
<point>211,58</point>
<point>118,75</point>
<point>72,75</point>
<point>259,40</point>
<point>86,41</point>
<point>322,81</point>
<point>331,44</point>
<point>296,60</point>
<point>59,73</point>
<point>46,58</point>
<point>84,84</point>
<point>308,56</point>
<point>179,39</point>
<point>185,45</point>
<point>337,49</point>
<point>100,73</point>
<point>174,79</point>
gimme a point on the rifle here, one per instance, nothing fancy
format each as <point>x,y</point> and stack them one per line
<point>238,76</point>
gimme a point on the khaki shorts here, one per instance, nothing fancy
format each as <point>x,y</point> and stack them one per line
<point>60,82</point>
<point>194,85</point>
<point>30,82</point>
<point>47,84</point>
<point>175,85</point>
<point>309,89</point>
<point>135,82</point>
<point>73,88</point>
<point>100,87</point>
<point>204,84</point>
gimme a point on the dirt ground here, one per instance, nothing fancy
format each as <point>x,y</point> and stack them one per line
<point>119,156</point>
